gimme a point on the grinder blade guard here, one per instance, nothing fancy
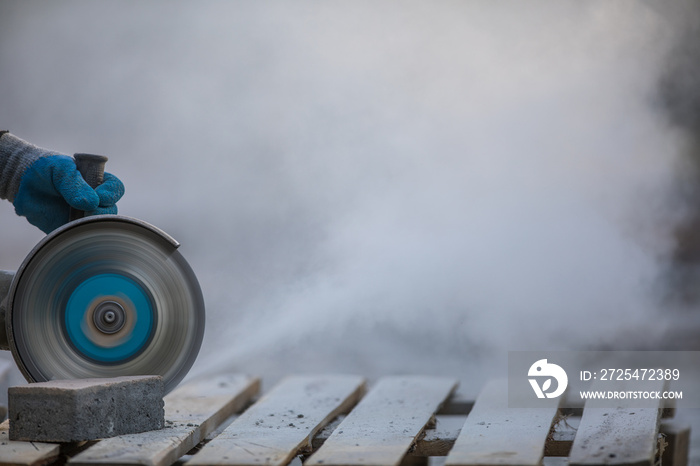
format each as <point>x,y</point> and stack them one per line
<point>105,296</point>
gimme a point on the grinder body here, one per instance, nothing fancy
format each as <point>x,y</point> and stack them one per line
<point>102,296</point>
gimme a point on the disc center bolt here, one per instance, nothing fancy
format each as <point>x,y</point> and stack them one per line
<point>109,317</point>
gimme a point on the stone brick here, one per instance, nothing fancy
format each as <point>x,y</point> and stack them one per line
<point>85,409</point>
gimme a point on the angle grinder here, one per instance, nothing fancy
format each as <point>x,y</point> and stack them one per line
<point>102,296</point>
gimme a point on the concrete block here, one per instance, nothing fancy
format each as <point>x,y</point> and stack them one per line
<point>85,409</point>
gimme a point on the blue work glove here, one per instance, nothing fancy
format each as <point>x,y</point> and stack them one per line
<point>52,184</point>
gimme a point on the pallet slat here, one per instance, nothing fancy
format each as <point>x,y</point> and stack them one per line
<point>393,425</point>
<point>281,423</point>
<point>384,425</point>
<point>191,411</point>
<point>494,434</point>
<point>435,441</point>
<point>617,436</point>
<point>24,453</point>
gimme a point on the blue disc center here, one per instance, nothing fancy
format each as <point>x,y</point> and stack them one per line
<point>95,290</point>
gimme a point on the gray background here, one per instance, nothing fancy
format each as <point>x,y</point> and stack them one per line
<point>377,187</point>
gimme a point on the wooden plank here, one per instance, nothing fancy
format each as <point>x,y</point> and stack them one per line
<point>282,422</point>
<point>386,423</point>
<point>25,453</point>
<point>562,438</point>
<point>618,436</point>
<point>439,440</point>
<point>191,412</point>
<point>555,461</point>
<point>495,434</point>
<point>435,441</point>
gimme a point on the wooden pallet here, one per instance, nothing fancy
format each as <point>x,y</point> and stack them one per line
<point>335,420</point>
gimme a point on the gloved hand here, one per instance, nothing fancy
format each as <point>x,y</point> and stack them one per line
<point>52,184</point>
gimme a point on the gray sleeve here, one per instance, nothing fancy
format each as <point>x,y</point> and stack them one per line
<point>16,156</point>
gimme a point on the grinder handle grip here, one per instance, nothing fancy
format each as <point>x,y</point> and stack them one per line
<point>92,167</point>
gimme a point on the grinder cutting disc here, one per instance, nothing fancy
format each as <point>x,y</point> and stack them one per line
<point>105,296</point>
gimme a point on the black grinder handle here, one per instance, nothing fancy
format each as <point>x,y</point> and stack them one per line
<point>92,167</point>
